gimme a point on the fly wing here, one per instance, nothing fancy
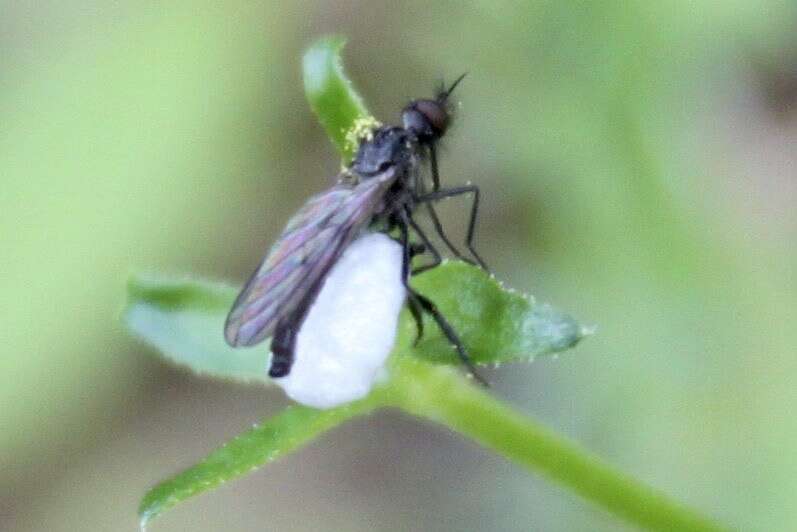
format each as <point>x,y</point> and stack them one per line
<point>312,241</point>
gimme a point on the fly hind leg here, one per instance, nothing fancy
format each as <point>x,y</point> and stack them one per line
<point>415,307</point>
<point>418,300</point>
<point>427,305</point>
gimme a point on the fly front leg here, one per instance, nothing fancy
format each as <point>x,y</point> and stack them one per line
<point>474,211</point>
<point>438,227</point>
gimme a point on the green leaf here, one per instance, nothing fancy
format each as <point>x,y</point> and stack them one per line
<point>184,320</point>
<point>280,435</point>
<point>495,324</point>
<point>330,93</point>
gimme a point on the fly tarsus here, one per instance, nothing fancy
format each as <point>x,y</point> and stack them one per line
<point>416,311</point>
<point>449,333</point>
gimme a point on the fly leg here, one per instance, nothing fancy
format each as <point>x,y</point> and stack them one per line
<point>436,258</point>
<point>474,211</point>
<point>427,305</point>
<point>414,250</point>
<point>438,227</point>
<point>415,307</point>
<point>451,334</point>
<point>417,316</point>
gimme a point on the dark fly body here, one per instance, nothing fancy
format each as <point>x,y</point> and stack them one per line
<point>382,188</point>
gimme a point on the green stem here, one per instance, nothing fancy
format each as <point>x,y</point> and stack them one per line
<point>443,395</point>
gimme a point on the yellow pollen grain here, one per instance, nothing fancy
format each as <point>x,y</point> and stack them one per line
<point>362,129</point>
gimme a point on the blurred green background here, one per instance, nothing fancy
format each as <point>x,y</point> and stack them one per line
<point>638,164</point>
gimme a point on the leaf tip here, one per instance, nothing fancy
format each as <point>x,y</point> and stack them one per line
<point>135,292</point>
<point>146,513</point>
<point>330,92</point>
<point>560,331</point>
<point>322,54</point>
<point>133,286</point>
<point>141,287</point>
<point>155,501</point>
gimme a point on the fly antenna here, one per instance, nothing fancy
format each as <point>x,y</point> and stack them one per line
<point>446,93</point>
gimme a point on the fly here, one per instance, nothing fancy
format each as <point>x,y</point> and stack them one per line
<point>379,191</point>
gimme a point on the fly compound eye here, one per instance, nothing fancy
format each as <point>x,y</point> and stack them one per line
<point>427,119</point>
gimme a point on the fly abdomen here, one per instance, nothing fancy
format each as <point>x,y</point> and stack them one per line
<point>282,347</point>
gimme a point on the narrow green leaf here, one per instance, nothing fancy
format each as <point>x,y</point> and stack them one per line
<point>280,435</point>
<point>184,320</point>
<point>330,93</point>
<point>496,324</point>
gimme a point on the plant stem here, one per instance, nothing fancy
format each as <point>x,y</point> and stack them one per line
<point>441,394</point>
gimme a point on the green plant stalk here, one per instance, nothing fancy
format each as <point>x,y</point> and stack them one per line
<point>442,395</point>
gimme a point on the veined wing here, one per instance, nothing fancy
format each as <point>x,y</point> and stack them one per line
<point>312,241</point>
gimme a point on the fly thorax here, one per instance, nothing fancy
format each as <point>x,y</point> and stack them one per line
<point>389,147</point>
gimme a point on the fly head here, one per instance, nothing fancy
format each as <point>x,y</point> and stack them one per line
<point>428,119</point>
